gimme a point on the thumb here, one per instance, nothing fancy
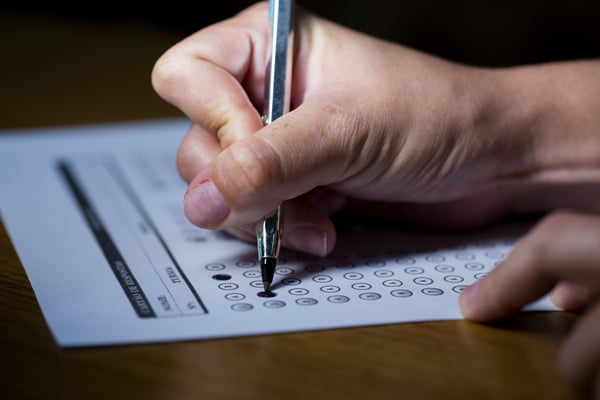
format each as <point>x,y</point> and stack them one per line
<point>298,152</point>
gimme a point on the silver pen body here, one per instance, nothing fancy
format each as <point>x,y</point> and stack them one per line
<point>277,100</point>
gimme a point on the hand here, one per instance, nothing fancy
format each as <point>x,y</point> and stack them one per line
<point>376,127</point>
<point>559,255</point>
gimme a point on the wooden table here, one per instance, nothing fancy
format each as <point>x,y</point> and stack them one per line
<point>66,71</point>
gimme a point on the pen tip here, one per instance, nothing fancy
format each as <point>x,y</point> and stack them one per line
<point>267,267</point>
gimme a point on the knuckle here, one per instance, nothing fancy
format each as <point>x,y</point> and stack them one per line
<point>366,146</point>
<point>216,119</point>
<point>172,82</point>
<point>250,169</point>
<point>165,74</point>
<point>344,122</point>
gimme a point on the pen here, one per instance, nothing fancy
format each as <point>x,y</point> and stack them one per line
<point>276,103</point>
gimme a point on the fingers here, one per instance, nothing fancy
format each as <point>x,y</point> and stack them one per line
<point>563,247</point>
<point>305,228</point>
<point>198,149</point>
<point>203,75</point>
<point>580,355</point>
<point>216,77</point>
<point>572,297</point>
<point>292,156</point>
<point>326,200</point>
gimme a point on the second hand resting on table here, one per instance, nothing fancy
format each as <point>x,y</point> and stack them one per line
<point>390,132</point>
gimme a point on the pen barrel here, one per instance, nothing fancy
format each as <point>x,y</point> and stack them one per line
<point>278,83</point>
<point>278,80</point>
<point>269,234</point>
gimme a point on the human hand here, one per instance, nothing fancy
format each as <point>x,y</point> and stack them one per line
<point>559,255</point>
<point>375,127</point>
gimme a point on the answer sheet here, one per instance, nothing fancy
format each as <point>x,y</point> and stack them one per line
<point>95,214</point>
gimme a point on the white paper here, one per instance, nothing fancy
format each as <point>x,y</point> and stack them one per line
<point>95,214</point>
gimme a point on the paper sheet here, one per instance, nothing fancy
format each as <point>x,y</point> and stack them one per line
<point>95,213</point>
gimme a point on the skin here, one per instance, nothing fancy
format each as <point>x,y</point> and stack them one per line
<point>389,132</point>
<point>559,254</point>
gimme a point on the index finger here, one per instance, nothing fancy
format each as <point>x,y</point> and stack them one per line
<point>216,75</point>
<point>563,247</point>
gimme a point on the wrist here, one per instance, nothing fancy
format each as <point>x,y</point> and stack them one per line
<point>546,127</point>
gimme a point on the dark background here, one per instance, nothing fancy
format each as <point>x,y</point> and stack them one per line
<point>492,33</point>
<point>54,54</point>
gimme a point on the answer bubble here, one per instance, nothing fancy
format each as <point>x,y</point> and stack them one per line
<point>251,274</point>
<point>291,281</point>
<point>401,293</point>
<point>274,304</point>
<point>361,286</point>
<point>266,294</point>
<point>435,258</point>
<point>423,280</point>
<point>459,288</point>
<point>322,278</point>
<point>215,267</point>
<point>228,286</point>
<point>242,307</point>
<point>306,301</point>
<point>284,271</point>
<point>330,289</point>
<point>298,291</point>
<point>375,263</point>
<point>464,255</point>
<point>432,291</point>
<point>444,268</point>
<point>246,263</point>
<point>314,268</point>
<point>235,296</point>
<point>369,296</point>
<point>338,299</point>
<point>495,254</point>
<point>383,273</point>
<point>257,284</point>
<point>353,276</point>
<point>414,270</point>
<point>453,278</point>
<point>474,266</point>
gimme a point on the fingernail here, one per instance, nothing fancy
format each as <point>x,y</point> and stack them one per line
<point>205,206</point>
<point>308,239</point>
<point>557,296</point>
<point>466,300</point>
<point>569,297</point>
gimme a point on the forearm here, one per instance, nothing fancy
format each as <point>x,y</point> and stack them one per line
<point>548,120</point>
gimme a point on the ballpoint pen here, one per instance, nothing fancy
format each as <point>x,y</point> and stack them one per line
<point>276,103</point>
